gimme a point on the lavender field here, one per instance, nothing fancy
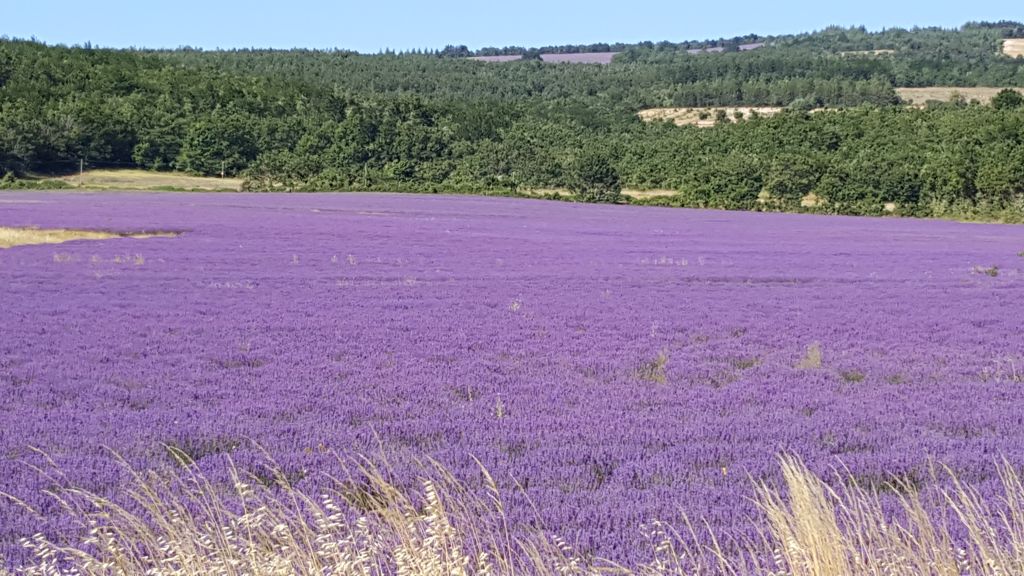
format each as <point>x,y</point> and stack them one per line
<point>621,364</point>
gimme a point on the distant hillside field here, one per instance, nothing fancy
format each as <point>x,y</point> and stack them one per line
<point>1014,47</point>
<point>146,180</point>
<point>918,96</point>
<point>705,117</point>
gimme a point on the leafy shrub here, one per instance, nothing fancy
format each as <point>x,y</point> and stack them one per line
<point>9,182</point>
<point>1007,98</point>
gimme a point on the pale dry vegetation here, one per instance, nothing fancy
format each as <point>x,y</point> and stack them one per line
<point>812,359</point>
<point>656,193</point>
<point>146,180</point>
<point>812,200</point>
<point>13,236</point>
<point>919,96</point>
<point>367,525</point>
<point>705,117</point>
<point>632,193</point>
<point>708,116</point>
<point>1013,47</point>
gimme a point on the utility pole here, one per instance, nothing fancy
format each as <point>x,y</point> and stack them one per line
<point>81,170</point>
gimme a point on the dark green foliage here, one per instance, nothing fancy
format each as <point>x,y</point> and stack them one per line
<point>592,178</point>
<point>1008,98</point>
<point>9,182</point>
<point>313,120</point>
<point>803,104</point>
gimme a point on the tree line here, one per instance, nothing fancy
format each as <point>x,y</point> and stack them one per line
<point>311,120</point>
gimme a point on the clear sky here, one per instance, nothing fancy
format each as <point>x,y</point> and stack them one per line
<point>370,26</point>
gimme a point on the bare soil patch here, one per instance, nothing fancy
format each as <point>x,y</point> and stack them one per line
<point>146,180</point>
<point>10,236</point>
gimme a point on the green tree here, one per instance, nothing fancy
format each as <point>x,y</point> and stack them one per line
<point>592,178</point>
<point>791,177</point>
<point>221,141</point>
<point>1007,98</point>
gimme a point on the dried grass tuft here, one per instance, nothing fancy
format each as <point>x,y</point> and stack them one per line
<point>371,526</point>
<point>24,236</point>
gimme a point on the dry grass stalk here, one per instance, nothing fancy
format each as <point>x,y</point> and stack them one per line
<point>369,526</point>
<point>812,359</point>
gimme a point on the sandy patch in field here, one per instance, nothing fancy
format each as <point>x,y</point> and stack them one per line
<point>692,116</point>
<point>918,96</point>
<point>146,180</point>
<point>10,237</point>
<point>1013,47</point>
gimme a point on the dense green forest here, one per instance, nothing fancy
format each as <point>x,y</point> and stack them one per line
<point>337,120</point>
<point>811,66</point>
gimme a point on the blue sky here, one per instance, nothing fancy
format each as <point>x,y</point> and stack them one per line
<point>370,26</point>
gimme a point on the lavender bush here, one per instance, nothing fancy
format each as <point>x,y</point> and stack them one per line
<point>619,364</point>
